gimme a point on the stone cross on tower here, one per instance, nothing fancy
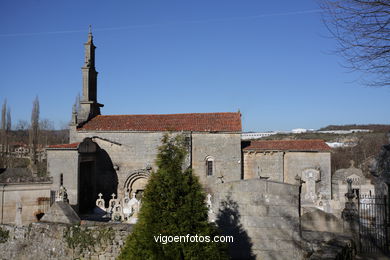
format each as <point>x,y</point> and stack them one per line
<point>89,107</point>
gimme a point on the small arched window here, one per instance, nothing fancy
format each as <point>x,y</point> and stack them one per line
<point>61,179</point>
<point>209,166</point>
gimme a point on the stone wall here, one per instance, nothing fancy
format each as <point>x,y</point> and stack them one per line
<point>20,202</point>
<point>264,164</point>
<point>63,242</point>
<point>287,166</point>
<point>262,216</point>
<point>132,151</point>
<point>224,149</point>
<point>296,162</point>
<point>64,162</point>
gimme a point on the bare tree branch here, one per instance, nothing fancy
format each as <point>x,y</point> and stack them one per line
<point>362,30</point>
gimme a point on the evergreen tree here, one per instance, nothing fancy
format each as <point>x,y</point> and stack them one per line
<point>173,204</point>
<point>34,131</point>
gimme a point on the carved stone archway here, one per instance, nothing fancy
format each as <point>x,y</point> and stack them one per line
<point>136,182</point>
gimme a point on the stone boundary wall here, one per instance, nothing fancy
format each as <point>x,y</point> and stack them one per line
<point>262,216</point>
<point>60,241</point>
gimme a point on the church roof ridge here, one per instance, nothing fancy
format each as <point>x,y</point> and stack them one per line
<point>202,113</point>
<point>196,122</point>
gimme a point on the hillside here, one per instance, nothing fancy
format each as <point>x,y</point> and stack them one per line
<point>374,127</point>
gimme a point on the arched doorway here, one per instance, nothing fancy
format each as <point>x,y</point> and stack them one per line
<point>96,175</point>
<point>136,183</point>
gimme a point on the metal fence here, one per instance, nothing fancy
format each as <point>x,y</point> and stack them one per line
<point>373,223</point>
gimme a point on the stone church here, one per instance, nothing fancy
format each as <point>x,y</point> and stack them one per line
<point>116,153</point>
<point>256,190</point>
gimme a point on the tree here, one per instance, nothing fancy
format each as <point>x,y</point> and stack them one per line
<point>362,30</point>
<point>46,131</point>
<point>5,132</point>
<point>9,122</point>
<point>3,125</point>
<point>21,125</point>
<point>3,137</point>
<point>173,204</point>
<point>34,130</point>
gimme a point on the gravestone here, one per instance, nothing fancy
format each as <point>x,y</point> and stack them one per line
<point>117,214</point>
<point>112,203</point>
<point>211,214</point>
<point>134,205</point>
<point>100,203</point>
<point>310,178</point>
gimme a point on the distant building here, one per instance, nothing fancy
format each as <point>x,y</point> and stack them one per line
<point>345,132</point>
<point>341,144</point>
<point>256,135</point>
<point>299,131</point>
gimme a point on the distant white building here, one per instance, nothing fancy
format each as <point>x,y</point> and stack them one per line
<point>256,135</point>
<point>340,144</point>
<point>299,130</point>
<point>345,132</point>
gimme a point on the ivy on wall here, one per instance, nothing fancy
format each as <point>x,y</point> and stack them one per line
<point>85,239</point>
<point>4,235</point>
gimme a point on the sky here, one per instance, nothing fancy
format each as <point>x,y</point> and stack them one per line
<point>271,60</point>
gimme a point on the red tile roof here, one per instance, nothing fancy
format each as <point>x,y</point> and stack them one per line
<point>288,145</point>
<point>197,122</point>
<point>64,146</point>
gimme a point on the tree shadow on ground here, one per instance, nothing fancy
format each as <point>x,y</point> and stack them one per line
<point>228,220</point>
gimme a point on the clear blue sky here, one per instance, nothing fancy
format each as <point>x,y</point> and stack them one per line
<point>269,59</point>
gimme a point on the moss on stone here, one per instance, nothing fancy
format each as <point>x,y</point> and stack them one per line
<point>4,235</point>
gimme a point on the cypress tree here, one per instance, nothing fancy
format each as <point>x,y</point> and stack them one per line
<point>173,204</point>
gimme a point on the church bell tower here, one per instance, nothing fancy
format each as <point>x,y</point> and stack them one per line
<point>89,107</point>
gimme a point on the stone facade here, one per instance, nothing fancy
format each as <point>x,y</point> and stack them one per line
<point>132,155</point>
<point>262,216</point>
<point>64,162</point>
<point>264,165</point>
<point>21,203</point>
<point>296,163</point>
<point>291,161</point>
<point>224,149</point>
